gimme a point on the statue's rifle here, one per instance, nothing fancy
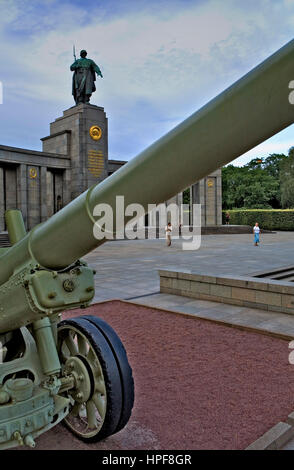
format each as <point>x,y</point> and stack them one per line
<point>74,52</point>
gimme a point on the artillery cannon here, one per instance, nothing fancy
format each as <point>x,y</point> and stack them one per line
<point>77,370</point>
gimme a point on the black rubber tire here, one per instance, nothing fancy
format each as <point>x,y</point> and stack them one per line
<point>111,374</point>
<point>119,352</point>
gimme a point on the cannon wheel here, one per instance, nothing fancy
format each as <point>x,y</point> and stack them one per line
<point>124,368</point>
<point>103,396</point>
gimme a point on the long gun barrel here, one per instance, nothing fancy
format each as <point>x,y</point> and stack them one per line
<point>250,111</point>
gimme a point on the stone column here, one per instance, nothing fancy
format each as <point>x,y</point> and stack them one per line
<point>50,192</point>
<point>219,205</point>
<point>66,187</point>
<point>22,189</point>
<point>210,200</point>
<point>10,187</point>
<point>34,199</point>
<point>43,193</point>
<point>202,201</point>
<point>2,200</point>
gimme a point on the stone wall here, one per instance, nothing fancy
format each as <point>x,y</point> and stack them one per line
<point>25,183</point>
<point>265,294</point>
<point>73,159</point>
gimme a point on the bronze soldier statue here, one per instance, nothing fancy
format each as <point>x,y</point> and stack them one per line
<point>84,77</point>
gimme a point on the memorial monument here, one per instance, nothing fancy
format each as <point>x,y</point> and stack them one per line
<point>84,77</point>
<point>82,130</point>
<point>74,157</point>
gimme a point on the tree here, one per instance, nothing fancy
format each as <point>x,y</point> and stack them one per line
<point>254,164</point>
<point>257,197</point>
<point>272,164</point>
<point>287,181</point>
<point>249,186</point>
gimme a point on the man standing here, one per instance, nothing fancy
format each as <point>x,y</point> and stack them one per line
<point>84,77</point>
<point>256,231</point>
<point>168,230</point>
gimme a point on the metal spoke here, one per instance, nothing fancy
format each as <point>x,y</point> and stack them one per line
<point>91,414</point>
<point>71,345</point>
<point>64,351</point>
<point>92,358</point>
<point>100,386</point>
<point>82,345</point>
<point>100,404</point>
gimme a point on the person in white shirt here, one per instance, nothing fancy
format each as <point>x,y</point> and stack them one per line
<point>256,231</point>
<point>168,230</point>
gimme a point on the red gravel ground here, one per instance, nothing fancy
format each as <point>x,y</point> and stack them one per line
<point>198,385</point>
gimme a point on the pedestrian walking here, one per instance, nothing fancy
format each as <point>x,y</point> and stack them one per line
<point>256,231</point>
<point>168,230</point>
<point>227,218</point>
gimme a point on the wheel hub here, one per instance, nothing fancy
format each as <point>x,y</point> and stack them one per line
<point>76,367</point>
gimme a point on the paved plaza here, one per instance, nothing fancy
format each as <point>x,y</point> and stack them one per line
<point>129,270</point>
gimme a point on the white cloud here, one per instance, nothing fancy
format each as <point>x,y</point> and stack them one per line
<point>143,56</point>
<point>159,66</point>
<point>268,147</point>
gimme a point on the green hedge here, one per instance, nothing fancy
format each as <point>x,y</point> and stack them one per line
<point>267,219</point>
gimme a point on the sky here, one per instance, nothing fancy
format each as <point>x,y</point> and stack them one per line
<point>161,60</point>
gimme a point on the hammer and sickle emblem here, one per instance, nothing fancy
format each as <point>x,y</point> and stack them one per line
<point>33,173</point>
<point>95,132</point>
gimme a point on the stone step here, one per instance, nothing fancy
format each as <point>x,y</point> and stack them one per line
<point>284,273</point>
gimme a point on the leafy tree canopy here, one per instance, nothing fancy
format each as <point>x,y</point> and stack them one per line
<point>263,183</point>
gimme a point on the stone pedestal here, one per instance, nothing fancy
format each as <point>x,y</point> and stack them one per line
<point>82,134</point>
<point>208,193</point>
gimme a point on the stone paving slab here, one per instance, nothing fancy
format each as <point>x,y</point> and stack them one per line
<point>124,264</point>
<point>262,319</point>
